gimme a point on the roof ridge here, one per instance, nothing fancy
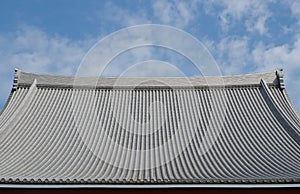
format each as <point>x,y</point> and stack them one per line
<point>23,78</point>
<point>279,70</point>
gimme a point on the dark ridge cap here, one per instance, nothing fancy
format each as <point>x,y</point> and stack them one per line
<point>25,79</point>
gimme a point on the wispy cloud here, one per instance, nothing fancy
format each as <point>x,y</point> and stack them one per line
<point>232,54</point>
<point>295,7</point>
<point>244,52</point>
<point>286,56</point>
<point>253,13</point>
<point>175,13</point>
<point>236,56</point>
<point>33,50</point>
<point>123,17</point>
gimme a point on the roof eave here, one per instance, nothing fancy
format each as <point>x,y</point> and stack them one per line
<point>147,186</point>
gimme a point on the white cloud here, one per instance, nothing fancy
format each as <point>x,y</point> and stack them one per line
<point>235,56</point>
<point>295,10</point>
<point>232,54</point>
<point>252,13</point>
<point>31,49</point>
<point>286,56</point>
<point>141,37</point>
<point>175,13</point>
<point>124,17</point>
<point>241,54</point>
<point>259,25</point>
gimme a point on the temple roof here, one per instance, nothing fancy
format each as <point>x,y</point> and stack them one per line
<point>157,131</point>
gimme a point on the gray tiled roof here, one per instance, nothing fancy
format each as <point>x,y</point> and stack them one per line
<point>149,130</point>
<point>26,79</point>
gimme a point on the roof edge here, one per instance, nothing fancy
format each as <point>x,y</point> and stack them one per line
<point>290,104</point>
<point>20,109</point>
<point>287,124</point>
<point>23,78</point>
<point>141,186</point>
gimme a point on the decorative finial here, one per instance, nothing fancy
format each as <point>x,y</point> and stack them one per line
<point>16,77</point>
<point>280,75</point>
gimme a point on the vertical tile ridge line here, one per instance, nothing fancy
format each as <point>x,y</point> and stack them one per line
<point>290,104</point>
<point>22,107</point>
<point>283,100</point>
<point>287,124</point>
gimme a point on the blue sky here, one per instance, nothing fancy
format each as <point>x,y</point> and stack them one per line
<point>243,36</point>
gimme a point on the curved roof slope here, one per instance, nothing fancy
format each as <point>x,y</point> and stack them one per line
<point>164,130</point>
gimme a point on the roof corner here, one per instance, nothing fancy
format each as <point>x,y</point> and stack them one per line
<point>279,74</point>
<point>16,78</point>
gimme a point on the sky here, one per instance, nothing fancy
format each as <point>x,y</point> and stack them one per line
<point>244,37</point>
